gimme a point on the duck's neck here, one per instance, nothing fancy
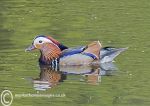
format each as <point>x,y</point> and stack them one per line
<point>49,53</point>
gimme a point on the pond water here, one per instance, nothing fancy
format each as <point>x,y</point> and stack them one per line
<point>118,23</point>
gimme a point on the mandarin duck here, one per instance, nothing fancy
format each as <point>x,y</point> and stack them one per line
<point>55,53</point>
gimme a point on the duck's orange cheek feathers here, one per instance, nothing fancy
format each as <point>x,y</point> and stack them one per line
<point>38,46</point>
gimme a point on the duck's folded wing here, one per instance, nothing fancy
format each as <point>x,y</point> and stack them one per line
<point>91,50</point>
<point>72,51</point>
<point>81,55</point>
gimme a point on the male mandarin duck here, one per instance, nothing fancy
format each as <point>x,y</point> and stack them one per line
<point>54,53</point>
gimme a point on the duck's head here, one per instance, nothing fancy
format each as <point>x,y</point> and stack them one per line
<point>50,48</point>
<point>40,41</point>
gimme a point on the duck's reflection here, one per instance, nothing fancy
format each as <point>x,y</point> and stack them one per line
<point>49,77</point>
<point>52,76</point>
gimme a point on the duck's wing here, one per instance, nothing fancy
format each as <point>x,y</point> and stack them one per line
<point>80,55</point>
<point>72,51</point>
<point>91,50</point>
<point>107,54</point>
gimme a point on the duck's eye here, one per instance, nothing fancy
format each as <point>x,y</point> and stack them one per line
<point>40,41</point>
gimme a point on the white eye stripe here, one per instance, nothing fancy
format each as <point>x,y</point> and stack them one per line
<point>43,39</point>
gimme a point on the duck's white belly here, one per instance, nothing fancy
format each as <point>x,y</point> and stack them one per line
<point>76,59</point>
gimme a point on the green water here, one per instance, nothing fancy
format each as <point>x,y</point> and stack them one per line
<point>119,23</point>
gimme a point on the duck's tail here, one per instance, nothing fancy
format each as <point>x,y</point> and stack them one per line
<point>107,54</point>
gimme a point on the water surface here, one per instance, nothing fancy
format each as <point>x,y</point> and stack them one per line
<point>119,23</point>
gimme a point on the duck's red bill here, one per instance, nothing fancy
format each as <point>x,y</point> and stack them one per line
<point>30,48</point>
